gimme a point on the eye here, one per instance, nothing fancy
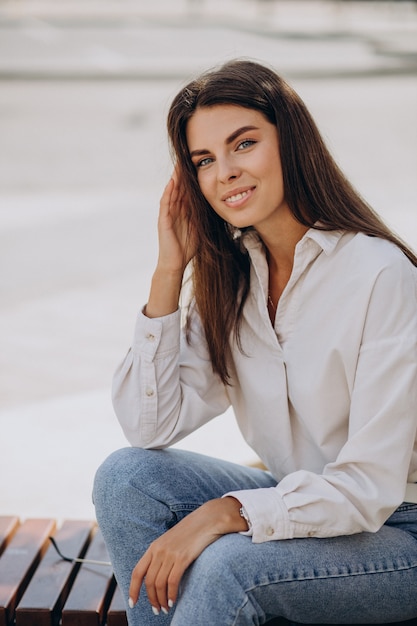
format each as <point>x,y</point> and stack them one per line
<point>246,143</point>
<point>203,162</point>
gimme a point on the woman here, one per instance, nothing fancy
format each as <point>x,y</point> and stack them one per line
<point>302,315</point>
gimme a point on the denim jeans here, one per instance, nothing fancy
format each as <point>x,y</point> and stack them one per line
<point>367,578</point>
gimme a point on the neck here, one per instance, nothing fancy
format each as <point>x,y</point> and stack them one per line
<point>280,242</point>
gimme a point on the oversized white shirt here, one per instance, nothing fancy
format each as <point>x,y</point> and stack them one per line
<point>327,397</point>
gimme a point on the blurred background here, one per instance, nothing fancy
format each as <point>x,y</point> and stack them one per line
<point>85,87</point>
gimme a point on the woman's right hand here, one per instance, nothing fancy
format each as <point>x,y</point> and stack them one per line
<point>177,246</point>
<point>176,241</point>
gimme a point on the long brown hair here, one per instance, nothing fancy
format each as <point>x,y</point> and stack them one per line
<point>316,191</point>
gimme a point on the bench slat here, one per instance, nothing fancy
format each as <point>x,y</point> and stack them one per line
<point>8,526</point>
<point>116,615</point>
<point>44,598</point>
<point>92,590</point>
<point>18,562</point>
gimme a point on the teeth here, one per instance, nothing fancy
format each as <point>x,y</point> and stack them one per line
<point>238,196</point>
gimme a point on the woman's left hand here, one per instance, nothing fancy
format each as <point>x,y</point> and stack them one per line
<point>164,563</point>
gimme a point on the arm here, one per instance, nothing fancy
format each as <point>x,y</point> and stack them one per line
<point>152,387</point>
<point>165,389</point>
<point>157,400</point>
<point>361,486</point>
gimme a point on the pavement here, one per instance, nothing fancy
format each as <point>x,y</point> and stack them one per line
<point>162,40</point>
<point>84,92</point>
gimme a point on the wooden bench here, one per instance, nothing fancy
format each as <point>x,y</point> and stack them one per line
<point>39,588</point>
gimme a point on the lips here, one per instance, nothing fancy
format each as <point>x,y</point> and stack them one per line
<point>238,194</point>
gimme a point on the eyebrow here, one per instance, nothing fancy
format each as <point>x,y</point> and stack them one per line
<point>230,139</point>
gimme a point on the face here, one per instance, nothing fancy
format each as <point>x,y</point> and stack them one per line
<point>236,156</point>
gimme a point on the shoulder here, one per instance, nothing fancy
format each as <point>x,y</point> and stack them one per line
<point>388,274</point>
<point>373,254</point>
<point>371,269</point>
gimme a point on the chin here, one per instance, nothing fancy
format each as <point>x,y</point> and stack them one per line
<point>241,224</point>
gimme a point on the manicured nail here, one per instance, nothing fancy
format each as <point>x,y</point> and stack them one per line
<point>170,603</point>
<point>164,610</point>
<point>131,603</point>
<point>155,610</point>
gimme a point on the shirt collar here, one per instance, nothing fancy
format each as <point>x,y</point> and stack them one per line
<point>326,239</point>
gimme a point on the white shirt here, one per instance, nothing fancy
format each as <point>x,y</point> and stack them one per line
<point>327,397</point>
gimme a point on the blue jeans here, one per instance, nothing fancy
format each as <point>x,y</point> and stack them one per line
<point>367,578</point>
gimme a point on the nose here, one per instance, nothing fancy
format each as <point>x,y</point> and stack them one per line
<point>227,169</point>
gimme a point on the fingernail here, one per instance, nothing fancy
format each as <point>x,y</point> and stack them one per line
<point>155,610</point>
<point>164,610</point>
<point>131,603</point>
<point>170,603</point>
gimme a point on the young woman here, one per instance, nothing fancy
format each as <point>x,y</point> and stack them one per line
<point>302,315</point>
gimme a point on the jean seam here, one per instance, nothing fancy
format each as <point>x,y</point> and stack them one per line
<point>306,578</point>
<point>174,508</point>
<point>242,606</point>
<point>329,576</point>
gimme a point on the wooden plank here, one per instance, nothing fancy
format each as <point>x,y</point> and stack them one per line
<point>18,562</point>
<point>93,588</point>
<point>116,615</point>
<point>44,598</point>
<point>8,526</point>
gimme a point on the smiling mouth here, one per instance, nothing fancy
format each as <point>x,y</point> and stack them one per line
<point>239,196</point>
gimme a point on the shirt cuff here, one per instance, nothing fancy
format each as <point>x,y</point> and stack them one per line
<point>157,336</point>
<point>267,513</point>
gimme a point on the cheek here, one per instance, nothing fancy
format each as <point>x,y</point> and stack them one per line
<point>206,187</point>
<point>208,190</point>
<point>275,175</point>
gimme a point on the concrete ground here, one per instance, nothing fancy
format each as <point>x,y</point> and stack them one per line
<point>84,91</point>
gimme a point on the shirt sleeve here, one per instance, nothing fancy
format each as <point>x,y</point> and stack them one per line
<point>164,389</point>
<point>367,481</point>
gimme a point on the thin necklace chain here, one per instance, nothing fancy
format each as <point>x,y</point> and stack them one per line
<point>271,303</point>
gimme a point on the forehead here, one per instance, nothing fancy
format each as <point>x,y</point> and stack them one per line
<point>218,122</point>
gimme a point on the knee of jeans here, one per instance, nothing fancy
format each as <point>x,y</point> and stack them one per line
<point>112,475</point>
<point>124,469</point>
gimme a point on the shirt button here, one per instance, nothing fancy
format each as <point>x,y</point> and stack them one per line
<point>310,533</point>
<point>150,337</point>
<point>269,531</point>
<point>149,391</point>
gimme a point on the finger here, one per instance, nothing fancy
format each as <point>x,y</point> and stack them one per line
<point>167,583</point>
<point>172,201</point>
<point>176,194</point>
<point>174,580</point>
<point>167,193</point>
<point>137,578</point>
<point>158,595</point>
<point>163,591</point>
<point>179,189</point>
<point>166,205</point>
<point>176,173</point>
<point>156,582</point>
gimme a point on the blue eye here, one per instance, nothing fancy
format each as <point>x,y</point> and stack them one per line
<point>204,162</point>
<point>246,143</point>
